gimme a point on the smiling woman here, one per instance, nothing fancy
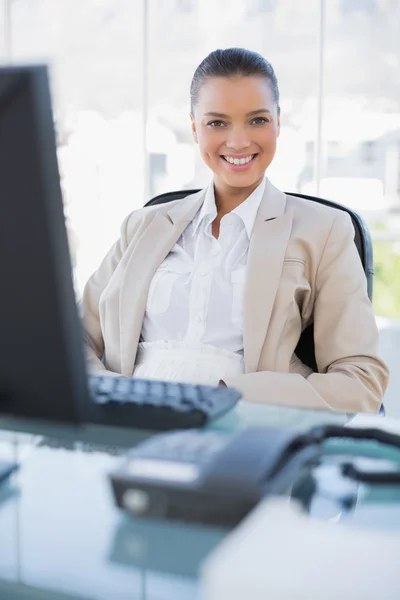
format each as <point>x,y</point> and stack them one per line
<point>217,288</point>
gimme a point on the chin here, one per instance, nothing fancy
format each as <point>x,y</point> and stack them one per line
<point>241,179</point>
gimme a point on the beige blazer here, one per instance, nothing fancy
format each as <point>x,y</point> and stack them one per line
<point>303,266</point>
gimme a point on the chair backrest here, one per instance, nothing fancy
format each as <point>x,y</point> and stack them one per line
<point>305,349</point>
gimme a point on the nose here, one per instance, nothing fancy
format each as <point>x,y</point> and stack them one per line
<point>238,139</point>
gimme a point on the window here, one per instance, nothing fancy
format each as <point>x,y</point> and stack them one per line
<point>362,109</point>
<point>96,78</point>
<point>4,31</point>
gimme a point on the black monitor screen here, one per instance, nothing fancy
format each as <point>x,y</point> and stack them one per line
<point>42,373</point>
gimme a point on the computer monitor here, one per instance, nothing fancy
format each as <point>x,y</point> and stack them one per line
<point>42,367</point>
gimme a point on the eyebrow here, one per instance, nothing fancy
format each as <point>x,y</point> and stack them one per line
<point>249,114</point>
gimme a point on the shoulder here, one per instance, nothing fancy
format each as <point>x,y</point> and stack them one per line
<point>313,208</point>
<point>314,215</point>
<point>319,230</point>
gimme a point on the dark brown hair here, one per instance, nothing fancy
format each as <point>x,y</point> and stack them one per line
<point>233,62</point>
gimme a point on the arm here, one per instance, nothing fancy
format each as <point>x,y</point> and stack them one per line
<point>351,375</point>
<point>89,304</point>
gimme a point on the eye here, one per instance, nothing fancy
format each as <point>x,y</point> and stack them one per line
<point>260,120</point>
<point>216,124</point>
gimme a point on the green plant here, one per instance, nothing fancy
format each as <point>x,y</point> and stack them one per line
<point>386,297</point>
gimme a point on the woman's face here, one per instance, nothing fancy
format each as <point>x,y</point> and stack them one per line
<point>236,125</point>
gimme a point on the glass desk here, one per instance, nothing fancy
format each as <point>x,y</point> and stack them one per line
<point>61,537</point>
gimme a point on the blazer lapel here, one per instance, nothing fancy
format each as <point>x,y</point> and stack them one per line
<point>155,243</point>
<point>267,250</point>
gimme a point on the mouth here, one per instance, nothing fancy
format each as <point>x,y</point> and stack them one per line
<point>236,163</point>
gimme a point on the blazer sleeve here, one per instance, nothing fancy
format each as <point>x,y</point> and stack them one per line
<point>351,376</point>
<point>89,304</point>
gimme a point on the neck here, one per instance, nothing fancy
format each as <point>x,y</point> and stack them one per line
<point>228,198</point>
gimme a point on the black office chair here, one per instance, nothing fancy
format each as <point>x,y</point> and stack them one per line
<point>305,349</point>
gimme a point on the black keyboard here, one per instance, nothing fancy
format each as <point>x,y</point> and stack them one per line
<point>158,405</point>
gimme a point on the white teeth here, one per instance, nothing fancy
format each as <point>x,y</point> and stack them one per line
<point>239,161</point>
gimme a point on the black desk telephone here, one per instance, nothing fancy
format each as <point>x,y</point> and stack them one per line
<point>209,476</point>
<point>217,478</point>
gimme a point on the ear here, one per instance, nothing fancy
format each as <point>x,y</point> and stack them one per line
<point>194,131</point>
<point>278,125</point>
